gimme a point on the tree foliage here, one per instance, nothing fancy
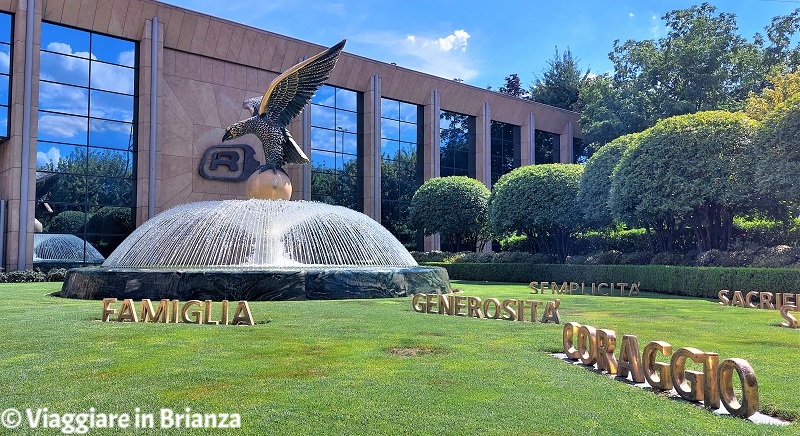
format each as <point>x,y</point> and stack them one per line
<point>539,201</point>
<point>514,87</point>
<point>455,207</point>
<point>781,87</point>
<point>560,82</point>
<point>596,182</point>
<point>692,170</point>
<point>778,142</point>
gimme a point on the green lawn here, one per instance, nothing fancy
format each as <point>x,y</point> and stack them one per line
<point>377,367</point>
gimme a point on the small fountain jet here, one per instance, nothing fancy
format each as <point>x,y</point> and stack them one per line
<point>283,101</point>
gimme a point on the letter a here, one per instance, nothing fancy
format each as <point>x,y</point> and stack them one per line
<point>242,315</point>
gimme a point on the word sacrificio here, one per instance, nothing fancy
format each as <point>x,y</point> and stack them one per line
<point>572,288</point>
<point>509,309</point>
<point>170,311</point>
<point>711,386</point>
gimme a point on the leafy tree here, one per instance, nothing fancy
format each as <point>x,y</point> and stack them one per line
<point>336,187</point>
<point>778,144</point>
<point>780,32</point>
<point>454,207</point>
<point>539,201</point>
<point>67,183</point>
<point>560,82</point>
<point>781,87</point>
<point>398,184</point>
<point>514,87</point>
<point>68,221</point>
<point>456,141</point>
<point>608,111</point>
<point>596,182</point>
<point>692,170</point>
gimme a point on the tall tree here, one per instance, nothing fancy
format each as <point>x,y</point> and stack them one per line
<point>780,32</point>
<point>702,64</point>
<point>560,82</point>
<point>608,110</point>
<point>514,87</point>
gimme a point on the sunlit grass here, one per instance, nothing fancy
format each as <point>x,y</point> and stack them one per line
<point>377,367</point>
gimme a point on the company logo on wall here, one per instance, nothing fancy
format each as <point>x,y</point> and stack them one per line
<point>228,162</point>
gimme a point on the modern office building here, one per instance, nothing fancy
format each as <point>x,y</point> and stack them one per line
<point>112,111</point>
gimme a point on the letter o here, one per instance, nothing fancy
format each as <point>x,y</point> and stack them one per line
<point>749,402</point>
<point>587,353</point>
<point>497,310</point>
<point>570,331</point>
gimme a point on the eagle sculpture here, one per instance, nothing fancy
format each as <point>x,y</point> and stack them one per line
<point>284,99</point>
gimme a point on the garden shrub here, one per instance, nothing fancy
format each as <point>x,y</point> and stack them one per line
<point>68,221</point>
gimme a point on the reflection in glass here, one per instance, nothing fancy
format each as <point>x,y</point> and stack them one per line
<point>334,147</point>
<point>64,69</point>
<point>111,106</point>
<point>66,99</point>
<point>5,56</point>
<point>5,28</point>
<point>111,134</point>
<point>86,145</point>
<point>399,175</point>
<point>456,152</point>
<point>504,149</point>
<point>62,128</point>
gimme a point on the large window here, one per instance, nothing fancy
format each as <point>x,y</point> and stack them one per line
<point>86,149</point>
<point>400,171</point>
<point>336,170</point>
<point>457,144</point>
<point>5,73</point>
<point>548,147</point>
<point>505,149</point>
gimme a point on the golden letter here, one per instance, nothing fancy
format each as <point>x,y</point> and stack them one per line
<point>198,316</point>
<point>601,286</point>
<point>791,321</point>
<point>634,289</point>
<point>533,304</point>
<point>126,312</point>
<point>535,287</point>
<point>444,305</point>
<point>738,300</point>
<point>430,302</point>
<point>657,374</point>
<point>688,384</point>
<point>242,316</point>
<point>511,314</point>
<point>459,305</point>
<point>587,345</point>
<point>551,312</point>
<point>629,359</point>
<point>474,307</point>
<point>710,389</point>
<point>106,310</point>
<point>723,297</point>
<point>224,319</point>
<point>765,300</point>
<point>150,315</point>
<point>497,309</point>
<point>207,314</point>
<point>749,402</point>
<point>570,331</point>
<point>606,344</point>
<point>749,298</point>
<point>415,303</point>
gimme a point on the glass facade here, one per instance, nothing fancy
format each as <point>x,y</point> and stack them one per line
<point>457,144</point>
<point>6,22</point>
<point>505,149</point>
<point>548,147</point>
<point>86,149</point>
<point>336,144</point>
<point>401,173</point>
<point>580,151</point>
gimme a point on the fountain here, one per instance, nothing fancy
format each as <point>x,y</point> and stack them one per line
<point>55,249</point>
<point>264,248</point>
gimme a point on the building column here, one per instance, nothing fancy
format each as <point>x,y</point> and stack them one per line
<point>431,157</point>
<point>566,143</point>
<point>150,96</point>
<point>483,145</point>
<point>528,141</point>
<point>372,149</point>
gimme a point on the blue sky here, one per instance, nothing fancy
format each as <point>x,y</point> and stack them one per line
<point>480,42</point>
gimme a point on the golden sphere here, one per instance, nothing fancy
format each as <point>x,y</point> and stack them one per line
<point>269,185</point>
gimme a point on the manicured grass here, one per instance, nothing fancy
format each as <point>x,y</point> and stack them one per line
<point>377,367</point>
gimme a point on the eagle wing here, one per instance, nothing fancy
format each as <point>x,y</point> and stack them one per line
<point>291,91</point>
<point>292,153</point>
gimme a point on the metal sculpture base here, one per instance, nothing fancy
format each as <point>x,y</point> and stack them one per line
<point>308,283</point>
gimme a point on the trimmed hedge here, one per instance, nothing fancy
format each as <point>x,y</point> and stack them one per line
<point>676,280</point>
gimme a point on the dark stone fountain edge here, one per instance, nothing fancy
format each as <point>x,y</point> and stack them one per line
<point>273,284</point>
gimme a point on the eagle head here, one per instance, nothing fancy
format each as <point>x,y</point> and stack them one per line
<point>236,130</point>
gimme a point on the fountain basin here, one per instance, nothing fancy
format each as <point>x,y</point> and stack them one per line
<point>307,283</point>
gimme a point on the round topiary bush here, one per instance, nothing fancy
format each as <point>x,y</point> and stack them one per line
<point>455,207</point>
<point>111,220</point>
<point>68,221</point>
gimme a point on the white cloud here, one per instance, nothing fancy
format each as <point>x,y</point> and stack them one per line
<point>61,126</point>
<point>445,56</point>
<point>631,15</point>
<point>53,155</point>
